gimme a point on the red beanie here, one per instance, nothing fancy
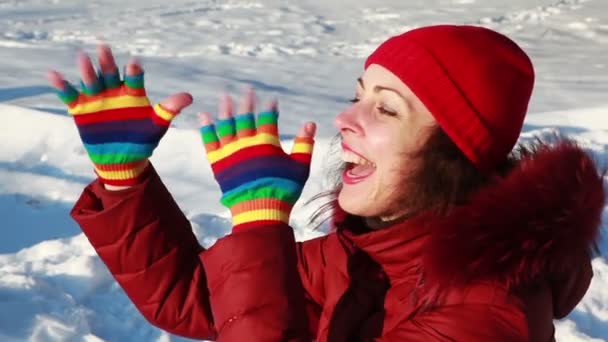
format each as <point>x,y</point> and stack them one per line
<point>476,82</point>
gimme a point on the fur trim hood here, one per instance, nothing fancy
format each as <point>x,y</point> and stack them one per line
<point>541,221</point>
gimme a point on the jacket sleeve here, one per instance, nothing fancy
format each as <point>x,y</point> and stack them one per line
<point>311,267</point>
<point>245,285</point>
<point>467,322</point>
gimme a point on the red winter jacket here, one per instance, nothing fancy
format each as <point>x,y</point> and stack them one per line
<point>500,268</point>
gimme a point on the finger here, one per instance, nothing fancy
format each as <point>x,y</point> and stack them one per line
<point>247,104</point>
<point>267,121</point>
<point>169,108</point>
<point>109,70</point>
<point>245,121</point>
<point>55,79</point>
<point>226,129</point>
<point>89,81</point>
<point>308,130</point>
<point>225,109</point>
<point>134,74</point>
<point>66,92</point>
<point>304,143</point>
<point>208,133</point>
<point>204,119</point>
<point>176,103</point>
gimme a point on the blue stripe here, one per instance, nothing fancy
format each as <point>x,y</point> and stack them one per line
<point>272,114</point>
<point>208,128</point>
<point>91,89</point>
<point>116,148</point>
<point>282,183</point>
<point>262,167</point>
<point>111,80</point>
<point>245,117</point>
<point>136,131</point>
<point>134,81</point>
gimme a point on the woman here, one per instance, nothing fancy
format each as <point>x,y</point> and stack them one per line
<point>440,232</point>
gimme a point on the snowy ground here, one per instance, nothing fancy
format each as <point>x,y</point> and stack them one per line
<point>307,53</point>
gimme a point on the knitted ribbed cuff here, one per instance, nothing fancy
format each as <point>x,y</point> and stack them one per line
<point>121,174</point>
<point>260,210</point>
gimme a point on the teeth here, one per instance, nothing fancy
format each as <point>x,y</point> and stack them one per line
<point>350,157</point>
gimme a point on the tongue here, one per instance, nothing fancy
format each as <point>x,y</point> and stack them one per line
<point>362,170</point>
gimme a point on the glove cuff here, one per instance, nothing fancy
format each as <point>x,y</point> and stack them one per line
<point>122,174</point>
<point>263,210</point>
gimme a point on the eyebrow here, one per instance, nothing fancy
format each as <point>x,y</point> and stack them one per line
<point>379,88</point>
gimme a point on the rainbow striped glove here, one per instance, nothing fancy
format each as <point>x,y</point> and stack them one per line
<point>117,124</point>
<point>260,183</point>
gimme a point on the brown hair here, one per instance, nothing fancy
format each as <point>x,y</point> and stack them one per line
<point>444,178</point>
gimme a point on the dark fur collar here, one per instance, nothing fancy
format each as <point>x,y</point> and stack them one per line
<point>542,219</point>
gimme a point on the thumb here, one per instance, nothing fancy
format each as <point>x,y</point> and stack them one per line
<point>176,103</point>
<point>308,130</point>
<point>304,143</point>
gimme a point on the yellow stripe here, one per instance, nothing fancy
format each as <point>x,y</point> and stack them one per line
<point>122,175</point>
<point>242,143</point>
<point>258,215</point>
<point>162,113</point>
<point>302,148</point>
<point>124,101</point>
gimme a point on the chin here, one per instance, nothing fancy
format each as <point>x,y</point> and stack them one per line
<point>353,205</point>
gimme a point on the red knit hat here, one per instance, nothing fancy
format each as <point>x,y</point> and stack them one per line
<point>476,82</point>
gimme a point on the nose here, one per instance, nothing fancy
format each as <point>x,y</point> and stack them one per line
<point>348,120</point>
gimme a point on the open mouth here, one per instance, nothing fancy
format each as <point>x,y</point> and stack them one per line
<point>357,168</point>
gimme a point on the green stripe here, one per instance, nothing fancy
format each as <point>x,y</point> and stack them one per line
<point>67,98</point>
<point>209,137</point>
<point>245,121</point>
<point>134,81</point>
<point>119,158</point>
<point>266,118</point>
<point>262,192</point>
<point>91,89</point>
<point>224,129</point>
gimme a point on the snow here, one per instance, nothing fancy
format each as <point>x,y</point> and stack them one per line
<point>306,53</point>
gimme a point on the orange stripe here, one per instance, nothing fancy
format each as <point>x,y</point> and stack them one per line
<point>246,132</point>
<point>226,139</point>
<point>120,167</point>
<point>269,129</point>
<point>212,146</point>
<point>307,140</point>
<point>260,203</point>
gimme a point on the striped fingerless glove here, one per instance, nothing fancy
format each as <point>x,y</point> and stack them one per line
<point>260,183</point>
<point>117,124</point>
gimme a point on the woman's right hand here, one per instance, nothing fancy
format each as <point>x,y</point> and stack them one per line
<point>259,181</point>
<point>116,122</point>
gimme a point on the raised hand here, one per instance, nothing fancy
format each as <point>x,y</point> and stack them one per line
<point>260,183</point>
<point>117,124</point>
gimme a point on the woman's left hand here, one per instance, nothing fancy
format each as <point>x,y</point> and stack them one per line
<point>260,183</point>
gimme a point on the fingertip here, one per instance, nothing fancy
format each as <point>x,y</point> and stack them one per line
<point>82,57</point>
<point>204,119</point>
<point>188,97</point>
<point>273,105</point>
<point>176,103</point>
<point>103,47</point>
<point>134,67</point>
<point>311,128</point>
<point>55,79</point>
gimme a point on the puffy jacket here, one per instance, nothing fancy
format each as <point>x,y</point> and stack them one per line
<point>499,268</point>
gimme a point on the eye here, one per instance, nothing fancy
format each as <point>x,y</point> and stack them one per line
<point>354,100</point>
<point>386,111</point>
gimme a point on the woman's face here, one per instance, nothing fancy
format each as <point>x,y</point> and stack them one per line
<point>380,131</point>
